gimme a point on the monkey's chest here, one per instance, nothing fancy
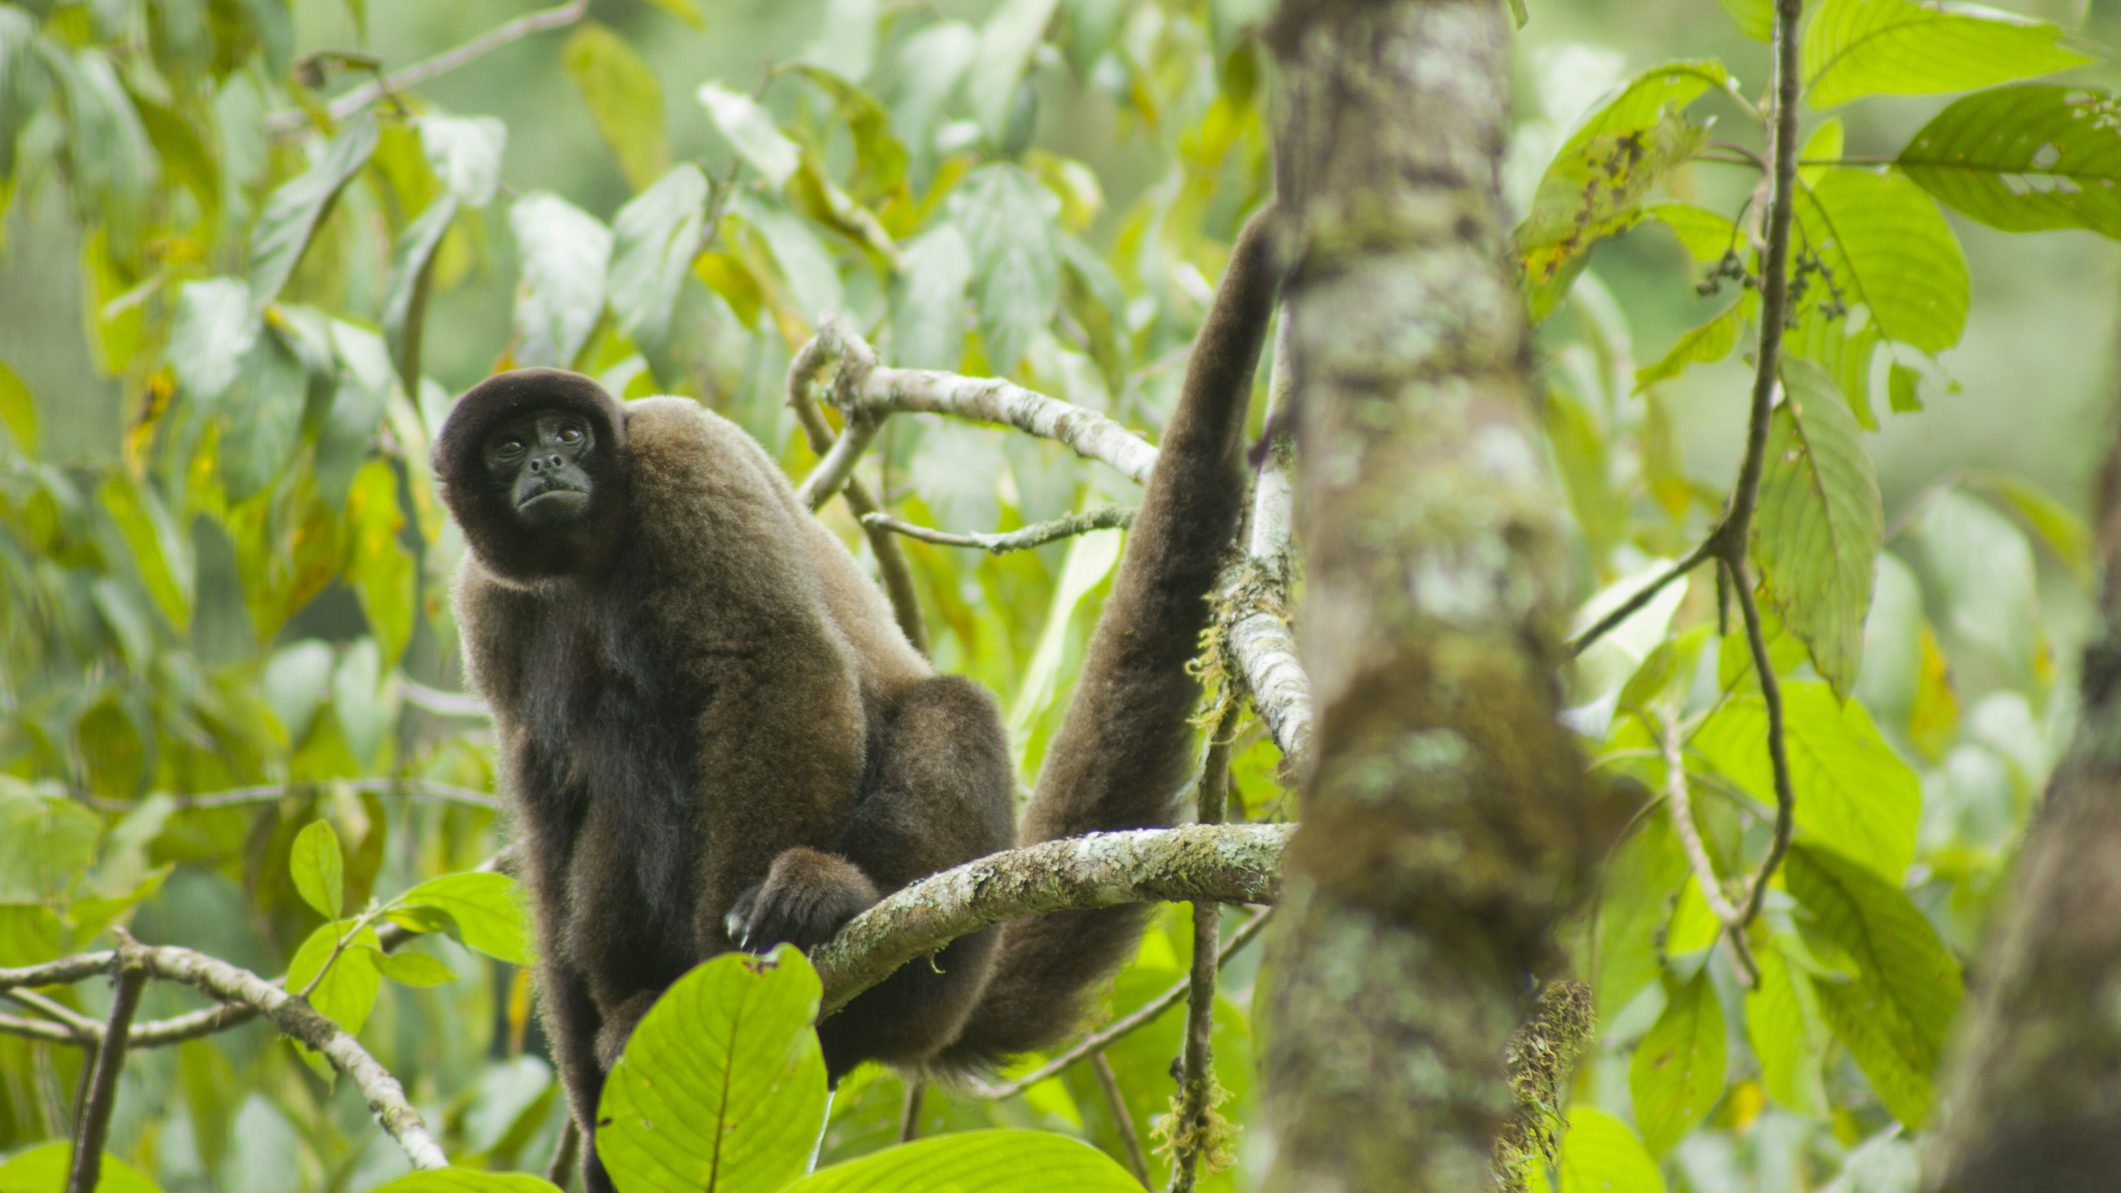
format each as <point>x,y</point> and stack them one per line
<point>615,739</point>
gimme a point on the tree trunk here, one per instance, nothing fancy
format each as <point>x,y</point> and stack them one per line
<point>1446,821</point>
<point>2035,1101</point>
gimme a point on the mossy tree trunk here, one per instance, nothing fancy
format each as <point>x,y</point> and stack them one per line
<point>2035,1096</point>
<point>1446,822</point>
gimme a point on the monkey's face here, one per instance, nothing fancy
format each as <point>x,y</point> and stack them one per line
<point>542,461</point>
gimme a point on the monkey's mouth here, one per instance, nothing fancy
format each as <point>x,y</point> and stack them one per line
<point>553,502</point>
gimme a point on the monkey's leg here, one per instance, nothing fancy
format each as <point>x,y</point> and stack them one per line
<point>571,1023</point>
<point>941,793</point>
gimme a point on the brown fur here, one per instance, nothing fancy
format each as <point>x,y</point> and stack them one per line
<point>710,709</point>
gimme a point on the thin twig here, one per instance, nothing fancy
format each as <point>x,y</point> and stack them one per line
<point>909,1114</point>
<point>890,561</point>
<point>1730,921</point>
<point>1708,549</point>
<point>1144,1014</point>
<point>1038,534</point>
<point>420,72</point>
<point>1778,749</point>
<point>1192,1130</point>
<point>444,704</point>
<point>1129,1138</point>
<point>265,793</point>
<point>561,1166</point>
<point>80,1025</point>
<point>129,974</point>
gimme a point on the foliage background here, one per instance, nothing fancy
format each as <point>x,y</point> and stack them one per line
<point>190,615</point>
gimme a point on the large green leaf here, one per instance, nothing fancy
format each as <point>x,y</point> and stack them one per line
<point>47,844</point>
<point>1984,565</point>
<point>1705,344</point>
<point>624,97</point>
<point>2024,159</point>
<point>1595,184</point>
<point>214,330</point>
<point>319,868</point>
<point>293,212</point>
<point>1788,1033</point>
<point>978,1162</point>
<point>879,156</point>
<point>467,1180</point>
<point>1842,350</point>
<point>750,130</point>
<point>1820,523</point>
<point>465,153</point>
<point>1853,792</point>
<point>405,294</point>
<point>1601,1155</point>
<point>1882,244</point>
<point>1893,1013</point>
<point>481,910</point>
<point>1005,46</point>
<point>1010,223</point>
<point>382,570</point>
<point>813,280</point>
<point>654,238</point>
<point>1854,48</point>
<point>722,1085</point>
<point>261,416</point>
<point>43,1169</point>
<point>1678,1070</point>
<point>928,301</point>
<point>154,543</point>
<point>565,252</point>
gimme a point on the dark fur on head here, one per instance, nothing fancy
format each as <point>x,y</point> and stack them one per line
<point>508,549</point>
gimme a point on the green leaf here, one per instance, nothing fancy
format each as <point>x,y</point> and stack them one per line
<point>931,64</point>
<point>813,280</point>
<point>214,331</point>
<point>2024,159</point>
<point>1788,1033</point>
<point>1985,567</point>
<point>465,153</point>
<point>654,238</point>
<point>565,252</point>
<point>261,417</point>
<point>469,1180</point>
<point>1595,184</point>
<point>1644,872</point>
<point>624,97</point>
<point>347,991</point>
<point>1904,389</point>
<point>879,156</point>
<point>1884,245</point>
<point>1843,351</point>
<point>750,130</point>
<point>1005,46</point>
<point>928,301</point>
<point>846,39</point>
<point>1821,523</point>
<point>319,868</point>
<point>978,1162</point>
<point>156,547</point>
<point>1853,792</point>
<point>1706,344</point>
<point>1754,18</point>
<point>1854,48</point>
<point>46,845</point>
<point>18,410</point>
<point>1601,1155</point>
<point>293,212</point>
<point>2051,521</point>
<point>722,1086</point>
<point>1705,235</point>
<point>1678,1070</point>
<point>405,294</point>
<point>480,910</point>
<point>414,969</point>
<point>1893,1014</point>
<point>382,570</point>
<point>295,684</point>
<point>1010,223</point>
<point>44,1168</point>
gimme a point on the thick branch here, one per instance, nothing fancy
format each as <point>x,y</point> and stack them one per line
<point>441,64</point>
<point>1227,863</point>
<point>101,1081</point>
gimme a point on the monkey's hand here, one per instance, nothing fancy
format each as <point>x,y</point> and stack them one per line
<point>806,897</point>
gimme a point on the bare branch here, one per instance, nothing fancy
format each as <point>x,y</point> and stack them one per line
<point>909,1114</point>
<point>1236,863</point>
<point>80,1025</point>
<point>499,36</point>
<point>561,1166</point>
<point>1777,743</point>
<point>444,704</point>
<point>1729,918</point>
<point>874,390</point>
<point>101,1080</point>
<point>1038,534</point>
<point>1144,1014</point>
<point>1116,1102</point>
<point>1194,1129</point>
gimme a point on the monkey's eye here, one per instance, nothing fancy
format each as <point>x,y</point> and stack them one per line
<point>511,446</point>
<point>570,434</point>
